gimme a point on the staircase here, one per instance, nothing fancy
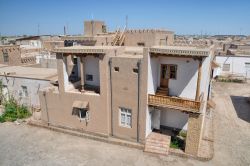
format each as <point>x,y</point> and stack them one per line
<point>162,91</point>
<point>119,37</point>
<point>157,143</point>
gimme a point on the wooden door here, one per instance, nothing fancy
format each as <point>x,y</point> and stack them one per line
<point>164,76</point>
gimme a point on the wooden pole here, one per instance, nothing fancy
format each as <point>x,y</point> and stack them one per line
<point>82,72</point>
<point>198,81</point>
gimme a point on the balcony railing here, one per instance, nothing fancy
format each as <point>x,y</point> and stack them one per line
<point>174,102</point>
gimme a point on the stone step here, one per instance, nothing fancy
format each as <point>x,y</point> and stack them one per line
<point>157,151</point>
<point>165,143</point>
<point>157,145</point>
<point>158,140</point>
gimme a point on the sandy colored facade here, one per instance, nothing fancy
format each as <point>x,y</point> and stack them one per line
<point>10,55</point>
<point>113,91</point>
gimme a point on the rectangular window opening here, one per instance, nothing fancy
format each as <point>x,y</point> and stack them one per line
<point>135,70</point>
<point>141,44</point>
<point>24,92</point>
<point>172,71</point>
<point>5,57</point>
<point>226,67</point>
<point>125,117</point>
<point>89,77</point>
<point>116,69</point>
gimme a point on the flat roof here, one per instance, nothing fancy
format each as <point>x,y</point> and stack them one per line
<point>179,50</point>
<point>28,72</point>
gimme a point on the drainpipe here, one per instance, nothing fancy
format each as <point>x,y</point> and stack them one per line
<point>111,95</point>
<point>138,99</point>
<point>46,107</point>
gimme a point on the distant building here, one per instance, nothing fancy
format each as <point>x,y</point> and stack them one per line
<point>10,55</point>
<point>233,66</point>
<point>24,83</point>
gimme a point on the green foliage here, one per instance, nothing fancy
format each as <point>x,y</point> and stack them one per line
<point>177,143</point>
<point>12,109</point>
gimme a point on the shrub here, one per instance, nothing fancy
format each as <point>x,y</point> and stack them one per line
<point>177,143</point>
<point>14,111</point>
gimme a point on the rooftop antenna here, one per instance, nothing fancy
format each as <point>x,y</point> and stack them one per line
<point>64,28</point>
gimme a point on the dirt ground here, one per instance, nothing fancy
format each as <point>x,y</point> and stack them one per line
<point>27,145</point>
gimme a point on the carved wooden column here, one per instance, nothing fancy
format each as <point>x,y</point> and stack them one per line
<point>82,72</point>
<point>198,80</point>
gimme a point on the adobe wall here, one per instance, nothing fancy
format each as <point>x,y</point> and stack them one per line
<point>125,94</point>
<point>148,37</point>
<point>14,53</point>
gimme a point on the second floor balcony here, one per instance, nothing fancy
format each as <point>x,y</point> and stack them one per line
<point>186,105</point>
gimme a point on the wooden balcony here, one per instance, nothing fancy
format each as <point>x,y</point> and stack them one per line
<point>181,104</point>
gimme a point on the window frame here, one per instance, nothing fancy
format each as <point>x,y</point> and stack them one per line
<point>88,75</point>
<point>25,93</point>
<point>127,117</point>
<point>5,55</point>
<point>223,67</point>
<point>175,71</point>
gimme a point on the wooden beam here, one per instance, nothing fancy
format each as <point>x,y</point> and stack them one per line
<point>198,81</point>
<point>82,72</point>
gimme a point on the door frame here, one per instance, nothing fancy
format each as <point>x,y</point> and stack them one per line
<point>164,82</point>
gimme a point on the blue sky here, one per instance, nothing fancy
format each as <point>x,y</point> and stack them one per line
<point>18,17</point>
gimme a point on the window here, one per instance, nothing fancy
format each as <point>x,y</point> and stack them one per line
<point>247,65</point>
<point>75,60</point>
<point>135,70</point>
<point>172,71</point>
<point>116,69</point>
<point>23,92</point>
<point>125,117</point>
<point>83,114</point>
<point>89,77</point>
<point>5,57</point>
<point>226,67</point>
<point>141,44</point>
<point>104,29</point>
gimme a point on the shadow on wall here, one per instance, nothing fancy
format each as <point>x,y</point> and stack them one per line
<point>242,107</point>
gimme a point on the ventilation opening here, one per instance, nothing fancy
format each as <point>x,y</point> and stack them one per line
<point>116,69</point>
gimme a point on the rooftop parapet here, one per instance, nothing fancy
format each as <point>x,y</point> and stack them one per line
<point>148,31</point>
<point>192,43</point>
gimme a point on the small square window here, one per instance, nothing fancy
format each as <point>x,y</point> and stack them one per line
<point>89,77</point>
<point>83,114</point>
<point>116,69</point>
<point>135,70</point>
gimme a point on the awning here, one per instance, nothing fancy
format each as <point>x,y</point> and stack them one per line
<point>81,104</point>
<point>214,65</point>
<point>211,104</point>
